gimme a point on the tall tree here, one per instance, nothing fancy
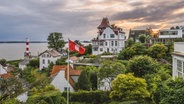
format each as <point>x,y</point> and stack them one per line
<point>142,65</point>
<point>109,70</point>
<point>10,88</point>
<point>83,82</point>
<point>157,51</point>
<point>3,62</point>
<point>55,41</point>
<point>126,87</point>
<point>142,38</point>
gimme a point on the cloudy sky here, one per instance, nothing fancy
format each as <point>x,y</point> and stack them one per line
<point>78,19</point>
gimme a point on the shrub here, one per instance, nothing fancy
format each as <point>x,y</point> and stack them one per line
<point>89,97</point>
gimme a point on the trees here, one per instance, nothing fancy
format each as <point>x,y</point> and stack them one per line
<point>3,62</point>
<point>127,87</point>
<point>34,63</point>
<point>142,65</point>
<point>142,38</point>
<point>10,88</point>
<point>130,42</point>
<point>83,82</point>
<point>157,51</point>
<point>46,95</point>
<point>109,70</point>
<point>55,41</point>
<point>129,52</point>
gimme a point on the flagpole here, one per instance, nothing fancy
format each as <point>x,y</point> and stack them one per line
<point>68,74</point>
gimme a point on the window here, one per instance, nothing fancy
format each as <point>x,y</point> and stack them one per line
<point>105,43</point>
<point>65,88</point>
<point>48,55</point>
<point>95,48</point>
<point>48,61</point>
<point>43,61</point>
<point>104,35</point>
<point>43,55</point>
<point>112,35</point>
<point>179,65</point>
<point>112,43</point>
<point>101,49</point>
<point>179,74</point>
<point>101,43</point>
<point>116,43</point>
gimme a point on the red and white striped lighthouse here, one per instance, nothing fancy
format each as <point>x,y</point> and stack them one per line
<point>27,48</point>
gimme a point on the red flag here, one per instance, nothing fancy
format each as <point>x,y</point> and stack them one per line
<point>75,47</point>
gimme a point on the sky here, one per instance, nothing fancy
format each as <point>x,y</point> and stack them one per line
<point>78,19</point>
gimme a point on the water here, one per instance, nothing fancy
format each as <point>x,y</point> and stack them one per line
<point>15,51</point>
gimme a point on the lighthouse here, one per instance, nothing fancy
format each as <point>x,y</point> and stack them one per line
<point>27,53</point>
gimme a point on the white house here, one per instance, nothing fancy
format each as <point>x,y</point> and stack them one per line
<point>3,70</point>
<point>59,77</point>
<point>110,39</point>
<point>175,33</point>
<point>47,57</point>
<point>178,60</point>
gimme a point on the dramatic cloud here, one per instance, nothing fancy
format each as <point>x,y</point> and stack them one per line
<point>78,19</point>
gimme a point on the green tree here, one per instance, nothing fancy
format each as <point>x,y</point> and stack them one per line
<point>34,63</point>
<point>110,69</point>
<point>129,52</point>
<point>142,38</point>
<point>157,51</point>
<point>126,53</point>
<point>46,95</point>
<point>92,75</point>
<point>3,62</point>
<point>130,42</point>
<point>55,41</point>
<point>28,75</point>
<point>83,82</point>
<point>142,65</point>
<point>88,49</point>
<point>126,87</point>
<point>10,88</point>
<point>170,91</point>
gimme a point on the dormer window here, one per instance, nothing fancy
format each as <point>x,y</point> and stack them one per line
<point>43,55</point>
<point>112,35</point>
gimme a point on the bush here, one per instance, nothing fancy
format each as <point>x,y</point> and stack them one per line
<point>89,97</point>
<point>48,98</point>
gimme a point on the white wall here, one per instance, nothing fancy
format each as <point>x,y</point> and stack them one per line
<point>41,58</point>
<point>2,70</point>
<point>179,47</point>
<point>120,39</point>
<point>179,35</point>
<point>60,82</point>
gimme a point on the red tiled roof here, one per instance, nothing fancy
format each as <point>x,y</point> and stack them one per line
<point>7,75</point>
<point>104,23</point>
<point>56,69</point>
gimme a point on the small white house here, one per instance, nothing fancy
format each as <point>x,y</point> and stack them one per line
<point>59,77</point>
<point>3,70</point>
<point>178,60</point>
<point>47,57</point>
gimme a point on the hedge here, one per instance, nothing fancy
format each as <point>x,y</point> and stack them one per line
<point>89,97</point>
